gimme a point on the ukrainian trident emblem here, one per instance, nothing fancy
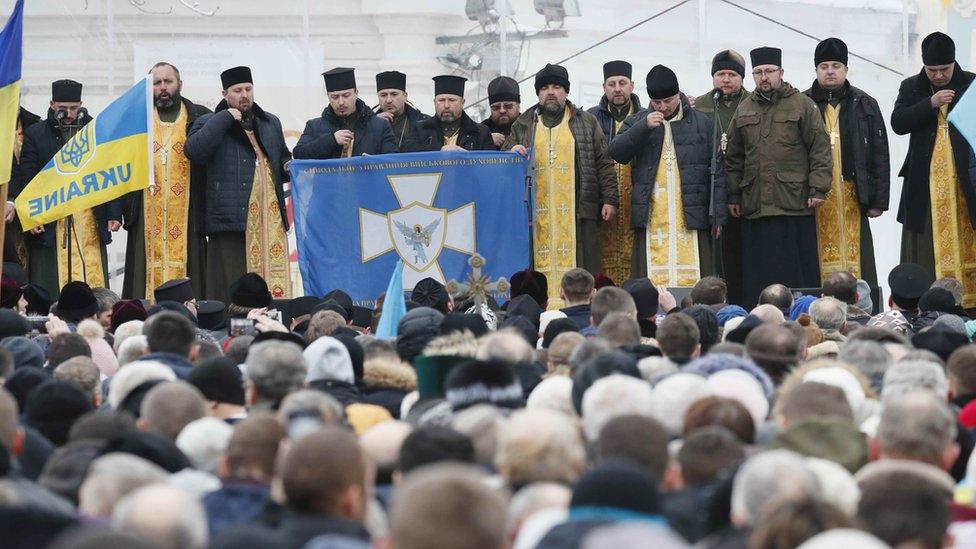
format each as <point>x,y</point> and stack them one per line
<point>76,152</point>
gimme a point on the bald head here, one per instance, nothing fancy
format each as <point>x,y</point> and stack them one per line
<point>169,407</point>
<point>165,515</point>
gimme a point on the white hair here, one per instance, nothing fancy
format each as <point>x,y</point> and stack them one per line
<point>163,514</point>
<point>111,477</point>
<point>553,393</point>
<point>910,375</point>
<point>480,423</point>
<point>829,313</point>
<point>131,349</point>
<point>125,331</point>
<point>539,445</point>
<point>204,441</point>
<point>134,375</point>
<point>505,345</point>
<point>837,485</point>
<point>534,498</point>
<point>673,396</point>
<point>612,396</point>
<point>769,475</point>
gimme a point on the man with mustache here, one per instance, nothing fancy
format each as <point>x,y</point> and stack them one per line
<point>165,221</point>
<point>575,184</point>
<point>618,102</point>
<point>394,106</point>
<point>938,198</point>
<point>506,105</point>
<point>861,173</point>
<point>450,129</point>
<point>246,159</point>
<point>778,169</point>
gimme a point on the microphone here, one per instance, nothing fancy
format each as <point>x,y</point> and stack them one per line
<point>82,114</point>
<point>61,114</point>
<point>717,94</point>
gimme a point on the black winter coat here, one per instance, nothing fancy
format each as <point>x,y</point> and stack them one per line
<point>414,119</point>
<point>864,138</point>
<point>913,114</point>
<point>133,202</point>
<point>602,114</point>
<point>428,136</point>
<point>219,141</point>
<point>694,144</point>
<point>41,142</point>
<point>373,135</point>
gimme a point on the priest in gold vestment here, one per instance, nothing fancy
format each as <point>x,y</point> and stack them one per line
<point>575,185</point>
<point>682,205</point>
<point>618,102</point>
<point>861,172</point>
<point>246,159</point>
<point>164,221</point>
<point>938,200</point>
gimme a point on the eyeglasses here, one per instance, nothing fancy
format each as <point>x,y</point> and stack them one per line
<point>759,73</point>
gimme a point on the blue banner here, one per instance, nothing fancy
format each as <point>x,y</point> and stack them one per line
<point>355,217</point>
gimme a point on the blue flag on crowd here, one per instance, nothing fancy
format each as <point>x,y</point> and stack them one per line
<point>356,217</point>
<point>394,306</point>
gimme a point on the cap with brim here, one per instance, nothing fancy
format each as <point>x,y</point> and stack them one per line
<point>339,78</point>
<point>447,84</point>
<point>179,290</point>
<point>235,76</point>
<point>391,80</point>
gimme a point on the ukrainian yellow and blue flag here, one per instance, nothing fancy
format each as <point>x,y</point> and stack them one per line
<point>109,157</point>
<point>11,47</point>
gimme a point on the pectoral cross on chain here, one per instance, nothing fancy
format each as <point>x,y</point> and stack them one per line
<point>165,156</point>
<point>724,144</point>
<point>945,129</point>
<point>833,138</point>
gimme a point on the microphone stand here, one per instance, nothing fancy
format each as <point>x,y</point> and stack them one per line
<point>529,187</point>
<point>717,153</point>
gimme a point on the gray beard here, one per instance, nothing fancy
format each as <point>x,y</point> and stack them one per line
<point>552,107</point>
<point>167,103</point>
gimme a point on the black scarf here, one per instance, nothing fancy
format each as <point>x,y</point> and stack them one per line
<point>822,98</point>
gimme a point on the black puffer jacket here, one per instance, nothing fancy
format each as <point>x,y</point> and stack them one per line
<point>428,136</point>
<point>373,135</point>
<point>694,143</point>
<point>219,141</point>
<point>41,142</point>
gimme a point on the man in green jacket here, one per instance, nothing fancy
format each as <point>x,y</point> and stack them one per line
<point>778,169</point>
<point>728,72</point>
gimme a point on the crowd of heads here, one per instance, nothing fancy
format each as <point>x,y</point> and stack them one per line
<point>576,417</point>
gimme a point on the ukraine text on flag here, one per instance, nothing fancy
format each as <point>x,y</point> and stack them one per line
<point>109,157</point>
<point>11,46</point>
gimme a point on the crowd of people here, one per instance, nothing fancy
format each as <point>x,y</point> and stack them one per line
<point>623,419</point>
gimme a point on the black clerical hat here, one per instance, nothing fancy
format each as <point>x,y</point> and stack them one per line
<point>617,68</point>
<point>391,80</point>
<point>728,60</point>
<point>503,88</point>
<point>235,76</point>
<point>210,314</point>
<point>67,91</point>
<point>909,280</point>
<point>830,49</point>
<point>178,290</point>
<point>339,78</point>
<point>938,49</point>
<point>661,82</point>
<point>766,56</point>
<point>449,84</point>
<point>552,74</point>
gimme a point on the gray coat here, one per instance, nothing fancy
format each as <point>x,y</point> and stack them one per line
<point>219,142</point>
<point>694,143</point>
